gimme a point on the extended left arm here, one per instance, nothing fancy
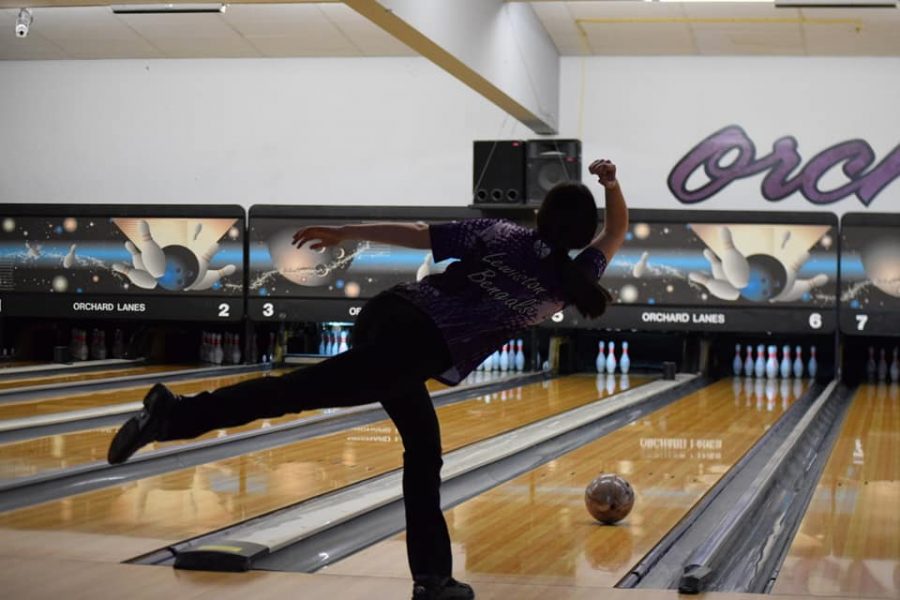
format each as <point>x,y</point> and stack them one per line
<point>408,235</point>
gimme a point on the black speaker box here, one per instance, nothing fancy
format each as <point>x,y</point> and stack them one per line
<point>550,162</point>
<point>498,176</point>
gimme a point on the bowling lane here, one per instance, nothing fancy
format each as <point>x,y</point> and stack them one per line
<point>55,452</point>
<point>32,379</point>
<point>96,398</point>
<point>120,522</point>
<point>534,529</point>
<point>848,543</point>
<point>51,453</point>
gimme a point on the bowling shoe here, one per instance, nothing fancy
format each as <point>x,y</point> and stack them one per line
<point>441,588</point>
<point>143,428</point>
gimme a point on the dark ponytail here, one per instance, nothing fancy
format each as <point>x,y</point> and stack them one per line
<point>567,220</point>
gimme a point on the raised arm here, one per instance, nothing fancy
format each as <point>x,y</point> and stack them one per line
<point>408,235</point>
<point>615,225</point>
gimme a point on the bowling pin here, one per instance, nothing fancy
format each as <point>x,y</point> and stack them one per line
<point>882,367</point>
<point>136,259</point>
<point>625,360</point>
<point>219,353</point>
<point>798,362</point>
<point>342,346</point>
<point>520,355</point>
<point>772,363</point>
<point>504,359</point>
<point>748,362</point>
<point>785,362</point>
<point>329,344</point>
<point>600,363</point>
<point>734,265</point>
<point>895,367</point>
<point>785,238</point>
<point>495,360</point>
<point>197,229</point>
<point>69,258</point>
<point>322,335</point>
<point>714,264</point>
<point>426,268</point>
<point>641,266</point>
<point>737,364</point>
<point>611,359</point>
<point>142,279</point>
<point>813,364</point>
<point>759,369</point>
<point>154,259</point>
<point>210,278</point>
<point>871,366</point>
<point>719,288</point>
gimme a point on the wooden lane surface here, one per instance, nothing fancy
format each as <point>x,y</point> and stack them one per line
<point>55,452</point>
<point>30,379</point>
<point>72,579</point>
<point>121,522</point>
<point>535,528</point>
<point>848,543</point>
<point>96,398</point>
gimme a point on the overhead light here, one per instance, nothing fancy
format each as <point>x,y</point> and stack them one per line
<point>836,3</point>
<point>718,1</point>
<point>23,22</point>
<point>167,9</point>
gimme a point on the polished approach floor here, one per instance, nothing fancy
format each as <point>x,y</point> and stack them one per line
<point>530,537</point>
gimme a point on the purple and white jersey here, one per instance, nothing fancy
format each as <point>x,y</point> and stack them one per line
<point>499,286</point>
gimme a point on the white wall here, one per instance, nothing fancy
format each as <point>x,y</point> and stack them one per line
<point>648,113</point>
<point>399,131</point>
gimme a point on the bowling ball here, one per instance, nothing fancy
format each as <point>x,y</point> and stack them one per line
<point>609,498</point>
<point>767,278</point>
<point>182,268</point>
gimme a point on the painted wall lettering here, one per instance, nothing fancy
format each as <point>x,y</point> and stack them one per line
<point>854,156</point>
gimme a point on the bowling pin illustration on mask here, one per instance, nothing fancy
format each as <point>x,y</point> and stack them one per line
<point>638,270</point>
<point>426,268</point>
<point>151,253</point>
<point>69,258</point>
<point>734,266</point>
<point>716,285</point>
<point>142,279</point>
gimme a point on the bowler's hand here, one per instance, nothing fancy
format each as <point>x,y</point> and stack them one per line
<point>323,236</point>
<point>605,171</point>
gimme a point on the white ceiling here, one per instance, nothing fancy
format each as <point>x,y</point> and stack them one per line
<point>578,27</point>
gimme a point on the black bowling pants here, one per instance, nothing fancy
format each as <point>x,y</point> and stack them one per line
<point>396,349</point>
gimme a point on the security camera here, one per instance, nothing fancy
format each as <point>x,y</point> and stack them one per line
<point>23,22</point>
